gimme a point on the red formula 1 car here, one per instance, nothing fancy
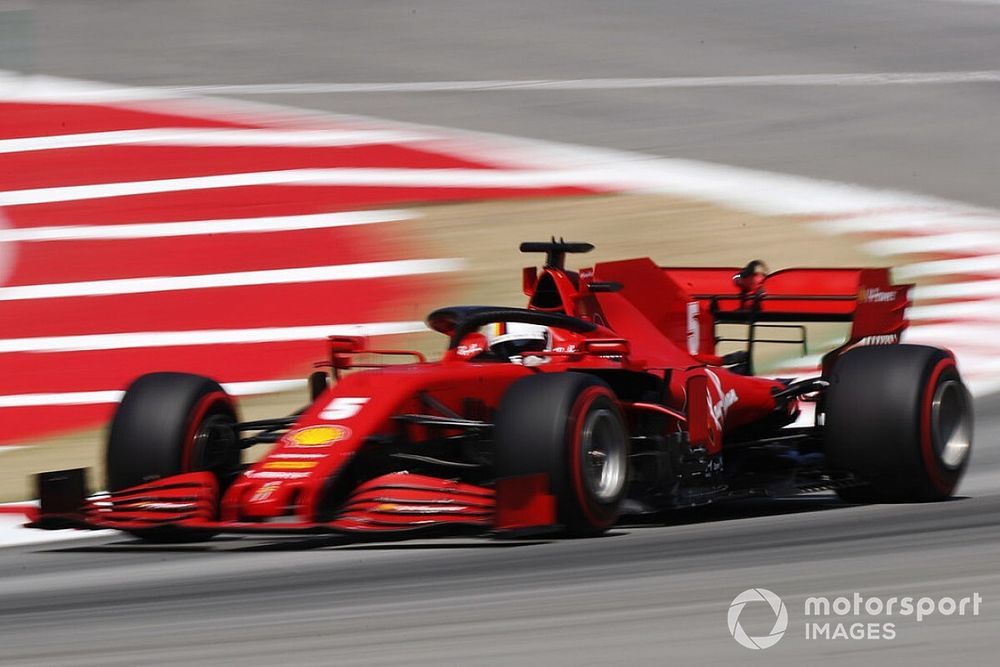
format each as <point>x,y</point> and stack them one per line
<point>606,395</point>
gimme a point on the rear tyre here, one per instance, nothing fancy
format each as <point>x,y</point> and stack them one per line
<point>900,419</point>
<point>168,424</point>
<point>568,426</point>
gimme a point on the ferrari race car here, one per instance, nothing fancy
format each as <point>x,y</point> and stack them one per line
<point>610,394</point>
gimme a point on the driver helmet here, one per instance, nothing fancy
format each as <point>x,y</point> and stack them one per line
<point>514,339</point>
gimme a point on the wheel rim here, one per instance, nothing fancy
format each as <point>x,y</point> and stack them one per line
<point>604,458</point>
<point>214,444</point>
<point>951,424</point>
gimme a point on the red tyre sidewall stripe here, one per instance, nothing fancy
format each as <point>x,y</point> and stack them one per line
<point>931,464</point>
<point>577,414</point>
<point>201,409</point>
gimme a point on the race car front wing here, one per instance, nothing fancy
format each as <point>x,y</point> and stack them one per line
<point>395,502</point>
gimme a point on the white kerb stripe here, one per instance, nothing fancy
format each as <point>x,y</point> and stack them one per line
<point>267,277</point>
<point>983,264</point>
<point>936,243</point>
<point>210,137</point>
<point>424,178</point>
<point>500,85</point>
<point>199,227</point>
<point>975,288</point>
<point>115,395</point>
<point>975,311</point>
<point>970,334</point>
<point>138,339</point>
<point>927,220</point>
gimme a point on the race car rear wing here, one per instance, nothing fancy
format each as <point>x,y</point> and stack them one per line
<point>688,305</point>
<point>865,298</point>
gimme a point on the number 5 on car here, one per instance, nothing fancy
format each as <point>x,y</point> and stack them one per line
<point>343,407</point>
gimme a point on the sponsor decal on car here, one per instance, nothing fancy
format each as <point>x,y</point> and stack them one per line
<point>289,465</point>
<point>719,409</point>
<point>419,509</point>
<point>470,350</point>
<point>882,339</point>
<point>693,328</point>
<point>343,407</point>
<point>296,455</point>
<point>727,401</point>
<point>165,505</point>
<point>274,474</point>
<point>317,436</point>
<point>877,339</point>
<point>265,491</point>
<point>875,295</point>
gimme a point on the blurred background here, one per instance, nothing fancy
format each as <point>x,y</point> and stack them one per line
<point>214,186</point>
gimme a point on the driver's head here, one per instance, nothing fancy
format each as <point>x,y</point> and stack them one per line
<point>512,339</point>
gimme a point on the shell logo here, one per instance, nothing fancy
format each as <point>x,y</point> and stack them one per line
<point>317,436</point>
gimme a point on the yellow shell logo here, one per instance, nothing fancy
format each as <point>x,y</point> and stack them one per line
<point>318,436</point>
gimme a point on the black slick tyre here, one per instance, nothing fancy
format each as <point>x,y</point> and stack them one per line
<point>569,427</point>
<point>168,424</point>
<point>900,419</point>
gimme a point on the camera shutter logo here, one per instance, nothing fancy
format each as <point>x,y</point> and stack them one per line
<point>780,618</point>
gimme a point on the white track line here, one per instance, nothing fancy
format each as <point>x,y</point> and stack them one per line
<point>43,89</point>
<point>199,227</point>
<point>13,533</point>
<point>214,137</point>
<point>307,274</point>
<point>17,87</point>
<point>140,339</point>
<point>115,395</point>
<point>500,85</point>
<point>389,178</point>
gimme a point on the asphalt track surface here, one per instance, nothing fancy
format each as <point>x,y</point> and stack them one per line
<point>643,595</point>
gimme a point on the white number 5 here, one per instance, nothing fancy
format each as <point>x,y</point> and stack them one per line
<point>343,407</point>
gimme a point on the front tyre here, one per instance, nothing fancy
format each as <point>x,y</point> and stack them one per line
<point>899,418</point>
<point>168,424</point>
<point>569,427</point>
